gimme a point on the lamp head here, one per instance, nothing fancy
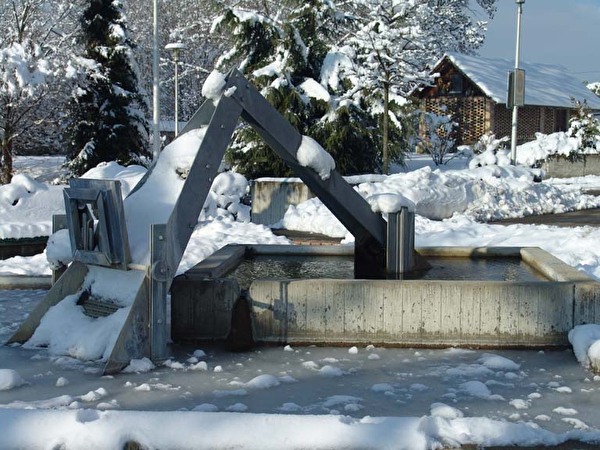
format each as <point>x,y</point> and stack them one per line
<point>519,2</point>
<point>182,46</point>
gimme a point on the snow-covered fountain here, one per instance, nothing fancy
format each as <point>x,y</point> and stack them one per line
<point>137,245</point>
<point>139,242</point>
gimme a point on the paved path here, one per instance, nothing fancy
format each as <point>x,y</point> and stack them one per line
<point>590,217</point>
<point>579,218</point>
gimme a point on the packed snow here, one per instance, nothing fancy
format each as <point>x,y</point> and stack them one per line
<point>214,85</point>
<point>313,397</point>
<point>311,154</point>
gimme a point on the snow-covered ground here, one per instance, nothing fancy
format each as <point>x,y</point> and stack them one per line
<point>316,397</point>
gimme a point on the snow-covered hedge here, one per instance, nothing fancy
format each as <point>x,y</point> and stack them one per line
<point>547,146</point>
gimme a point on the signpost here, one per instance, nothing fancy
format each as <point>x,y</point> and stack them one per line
<point>516,87</point>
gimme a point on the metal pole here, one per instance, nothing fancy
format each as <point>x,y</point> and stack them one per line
<point>176,59</point>
<point>155,87</point>
<point>176,47</point>
<point>515,113</point>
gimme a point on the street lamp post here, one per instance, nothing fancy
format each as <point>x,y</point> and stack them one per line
<point>517,78</point>
<point>176,47</point>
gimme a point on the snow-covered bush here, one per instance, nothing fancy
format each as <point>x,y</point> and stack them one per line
<point>584,127</point>
<point>489,151</point>
<point>436,136</point>
<point>547,146</point>
<point>225,198</point>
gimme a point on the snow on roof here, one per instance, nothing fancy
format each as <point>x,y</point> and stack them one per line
<point>545,84</point>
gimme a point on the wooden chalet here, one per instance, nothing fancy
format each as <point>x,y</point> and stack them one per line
<point>474,90</point>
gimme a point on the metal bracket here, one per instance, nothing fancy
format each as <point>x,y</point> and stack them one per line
<point>96,222</point>
<point>160,278</point>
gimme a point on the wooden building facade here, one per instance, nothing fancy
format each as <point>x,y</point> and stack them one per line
<point>478,104</point>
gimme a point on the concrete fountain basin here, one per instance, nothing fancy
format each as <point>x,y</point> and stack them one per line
<point>210,303</point>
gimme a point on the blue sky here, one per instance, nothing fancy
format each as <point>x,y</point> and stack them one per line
<point>565,32</point>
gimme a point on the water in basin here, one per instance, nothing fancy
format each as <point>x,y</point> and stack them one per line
<point>442,268</point>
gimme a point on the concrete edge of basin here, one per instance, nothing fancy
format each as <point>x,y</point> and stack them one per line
<point>502,314</point>
<point>14,282</point>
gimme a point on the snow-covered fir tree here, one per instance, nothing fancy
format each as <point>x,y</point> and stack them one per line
<point>287,56</point>
<point>108,109</point>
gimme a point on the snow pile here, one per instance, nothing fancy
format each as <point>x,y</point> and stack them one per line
<point>66,330</point>
<point>435,194</point>
<point>10,379</point>
<point>485,193</point>
<point>161,190</point>
<point>27,206</point>
<point>312,216</point>
<point>585,340</point>
<point>128,176</point>
<point>311,154</point>
<point>139,366</point>
<point>25,265</point>
<point>89,428</point>
<point>489,152</point>
<point>58,250</point>
<point>224,198</point>
<point>389,203</point>
<point>213,85</point>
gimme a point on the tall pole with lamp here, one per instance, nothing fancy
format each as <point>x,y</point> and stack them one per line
<point>516,87</point>
<point>175,48</point>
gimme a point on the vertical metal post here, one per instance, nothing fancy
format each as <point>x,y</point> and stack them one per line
<point>515,112</point>
<point>159,279</point>
<point>400,244</point>
<point>155,87</point>
<point>176,60</point>
<point>59,222</point>
<point>176,47</point>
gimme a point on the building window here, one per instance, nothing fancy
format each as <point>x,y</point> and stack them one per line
<point>456,84</point>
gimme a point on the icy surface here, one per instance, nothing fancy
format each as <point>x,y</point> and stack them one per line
<point>406,398</point>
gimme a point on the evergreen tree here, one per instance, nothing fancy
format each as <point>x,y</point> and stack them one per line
<point>285,57</point>
<point>109,110</point>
